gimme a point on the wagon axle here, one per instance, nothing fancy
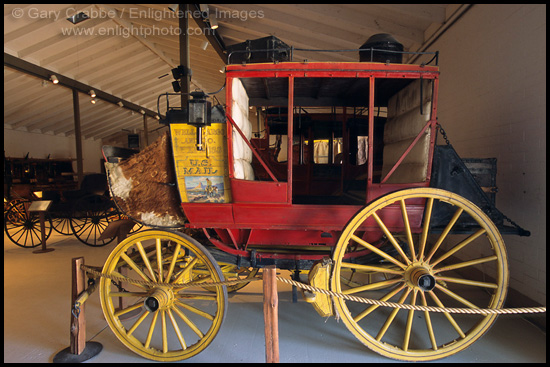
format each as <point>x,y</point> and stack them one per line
<point>161,298</point>
<point>420,277</point>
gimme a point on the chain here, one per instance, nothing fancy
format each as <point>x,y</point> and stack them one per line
<point>443,133</point>
<point>522,232</point>
<point>76,310</point>
<point>323,291</point>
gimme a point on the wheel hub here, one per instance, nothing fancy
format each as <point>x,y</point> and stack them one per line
<point>419,276</point>
<point>161,298</point>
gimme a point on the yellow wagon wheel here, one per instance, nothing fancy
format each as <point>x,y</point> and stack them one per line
<point>173,323</point>
<point>461,263</point>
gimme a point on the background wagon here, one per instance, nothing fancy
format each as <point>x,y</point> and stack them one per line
<point>84,212</point>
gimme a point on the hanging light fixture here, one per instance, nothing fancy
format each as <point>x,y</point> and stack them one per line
<point>77,18</point>
<point>213,22</point>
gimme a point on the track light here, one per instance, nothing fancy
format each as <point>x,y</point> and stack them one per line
<point>142,112</point>
<point>92,93</point>
<point>77,18</point>
<point>120,104</point>
<point>93,100</point>
<point>176,86</point>
<point>54,79</point>
<point>213,22</point>
<point>173,7</point>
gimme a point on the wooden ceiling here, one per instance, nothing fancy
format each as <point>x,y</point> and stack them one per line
<point>125,52</point>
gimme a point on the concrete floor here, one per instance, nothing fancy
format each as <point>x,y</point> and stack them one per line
<point>37,317</point>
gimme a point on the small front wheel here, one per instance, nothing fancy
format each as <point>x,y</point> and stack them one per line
<point>173,322</point>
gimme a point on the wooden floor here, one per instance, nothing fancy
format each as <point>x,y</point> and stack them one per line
<point>37,290</point>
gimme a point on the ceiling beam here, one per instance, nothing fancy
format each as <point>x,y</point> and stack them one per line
<point>212,36</point>
<point>38,71</point>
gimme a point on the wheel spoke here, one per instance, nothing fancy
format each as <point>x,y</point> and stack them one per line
<point>128,309</point>
<point>407,228</point>
<point>390,237</point>
<point>372,286</point>
<point>128,294</point>
<point>408,326</point>
<point>134,266</point>
<point>177,329</point>
<point>377,251</point>
<point>447,315</point>
<point>173,262</point>
<point>445,233</point>
<point>117,274</point>
<point>138,322</point>
<point>164,334</point>
<point>460,246</point>
<point>468,282</point>
<point>383,299</point>
<point>203,297</point>
<point>151,329</point>
<point>195,310</point>
<point>378,269</point>
<point>392,315</point>
<point>466,264</point>
<point>185,270</point>
<point>424,237</point>
<point>456,296</point>
<point>189,322</point>
<point>428,322</point>
<point>159,259</point>
<point>146,260</point>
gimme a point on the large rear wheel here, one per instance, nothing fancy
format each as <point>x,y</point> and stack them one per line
<point>462,263</point>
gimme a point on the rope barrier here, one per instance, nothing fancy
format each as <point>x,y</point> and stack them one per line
<point>199,283</point>
<point>481,311</point>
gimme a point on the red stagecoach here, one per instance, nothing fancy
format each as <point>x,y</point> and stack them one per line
<point>323,168</point>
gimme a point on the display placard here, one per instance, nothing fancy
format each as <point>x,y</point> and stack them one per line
<point>40,206</point>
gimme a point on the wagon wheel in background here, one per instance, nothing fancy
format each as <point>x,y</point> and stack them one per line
<point>468,270</point>
<point>23,227</point>
<point>174,323</point>
<point>62,225</point>
<point>90,216</point>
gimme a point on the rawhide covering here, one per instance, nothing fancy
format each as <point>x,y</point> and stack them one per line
<point>143,186</point>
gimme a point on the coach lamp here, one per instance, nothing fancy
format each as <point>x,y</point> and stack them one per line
<point>198,111</point>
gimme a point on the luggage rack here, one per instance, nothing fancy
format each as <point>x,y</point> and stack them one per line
<point>371,50</point>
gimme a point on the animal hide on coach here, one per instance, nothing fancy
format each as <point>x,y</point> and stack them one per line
<point>144,186</point>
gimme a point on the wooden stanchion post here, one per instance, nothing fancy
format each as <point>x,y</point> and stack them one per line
<point>271,309</point>
<point>78,324</point>
<point>79,350</point>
